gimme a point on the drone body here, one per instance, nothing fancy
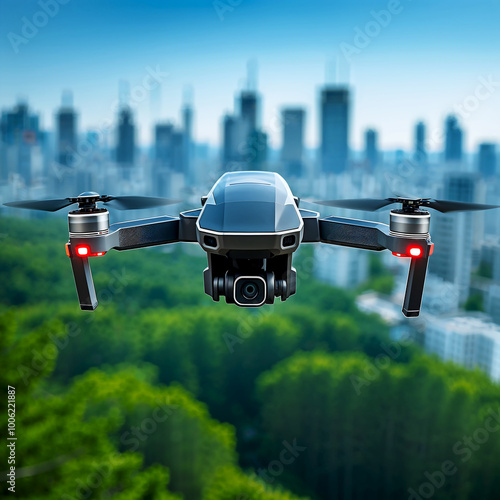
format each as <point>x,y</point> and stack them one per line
<point>250,224</point>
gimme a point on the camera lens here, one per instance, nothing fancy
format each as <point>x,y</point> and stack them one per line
<point>249,290</point>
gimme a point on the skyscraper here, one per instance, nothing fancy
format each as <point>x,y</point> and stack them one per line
<point>163,144</point>
<point>371,148</point>
<point>487,161</point>
<point>20,143</point>
<point>334,129</point>
<point>125,148</point>
<point>420,154</point>
<point>453,140</point>
<point>249,110</point>
<point>292,149</point>
<point>232,139</point>
<point>255,151</point>
<point>453,235</point>
<point>187,161</point>
<point>169,147</point>
<point>66,132</point>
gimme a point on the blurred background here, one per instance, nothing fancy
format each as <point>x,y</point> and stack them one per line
<point>161,393</point>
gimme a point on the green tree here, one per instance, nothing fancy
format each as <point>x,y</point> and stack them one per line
<point>59,452</point>
<point>230,483</point>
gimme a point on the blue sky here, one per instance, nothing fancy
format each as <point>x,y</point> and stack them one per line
<point>427,58</point>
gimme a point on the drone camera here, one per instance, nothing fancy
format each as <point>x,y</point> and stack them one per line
<point>250,291</point>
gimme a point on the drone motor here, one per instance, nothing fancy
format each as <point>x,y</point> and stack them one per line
<point>413,223</point>
<point>92,223</point>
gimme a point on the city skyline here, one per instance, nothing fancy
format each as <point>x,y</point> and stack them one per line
<point>398,76</point>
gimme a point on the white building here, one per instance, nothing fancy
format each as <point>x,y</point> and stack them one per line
<point>493,302</point>
<point>340,266</point>
<point>468,341</point>
<point>399,326</point>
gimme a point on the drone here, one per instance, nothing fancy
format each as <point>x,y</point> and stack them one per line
<point>249,225</point>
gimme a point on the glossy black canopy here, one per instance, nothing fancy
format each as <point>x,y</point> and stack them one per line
<point>254,202</point>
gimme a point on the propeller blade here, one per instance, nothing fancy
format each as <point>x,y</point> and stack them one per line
<point>137,202</point>
<point>367,204</point>
<point>457,206</point>
<point>45,205</point>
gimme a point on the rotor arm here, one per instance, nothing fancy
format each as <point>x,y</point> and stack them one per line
<point>131,234</point>
<point>351,233</point>
<point>377,236</point>
<point>122,236</point>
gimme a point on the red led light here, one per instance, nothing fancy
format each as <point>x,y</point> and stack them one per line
<point>83,250</point>
<point>415,251</point>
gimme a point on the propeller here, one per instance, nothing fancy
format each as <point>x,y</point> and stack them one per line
<point>409,205</point>
<point>87,202</point>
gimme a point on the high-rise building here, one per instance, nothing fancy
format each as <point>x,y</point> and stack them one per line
<point>244,144</point>
<point>232,141</point>
<point>453,235</point>
<point>340,266</point>
<point>292,149</point>
<point>177,164</point>
<point>255,152</point>
<point>169,147</point>
<point>487,160</point>
<point>125,148</point>
<point>187,161</point>
<point>20,136</point>
<point>371,148</point>
<point>249,110</point>
<point>492,302</point>
<point>15,123</point>
<point>163,144</point>
<point>453,140</point>
<point>334,129</point>
<point>420,154</point>
<point>66,123</point>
